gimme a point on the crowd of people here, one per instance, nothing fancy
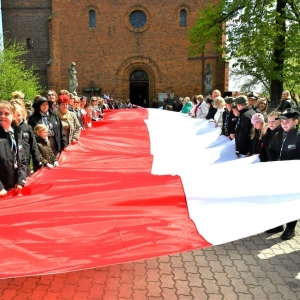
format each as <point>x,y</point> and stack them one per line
<point>33,137</point>
<point>272,135</point>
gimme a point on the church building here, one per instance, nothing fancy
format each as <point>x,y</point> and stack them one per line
<point>125,49</point>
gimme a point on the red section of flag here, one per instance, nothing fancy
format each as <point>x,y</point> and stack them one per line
<point>101,206</point>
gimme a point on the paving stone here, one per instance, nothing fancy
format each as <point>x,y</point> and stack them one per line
<point>216,266</point>
<point>190,265</point>
<point>164,259</point>
<point>140,269</point>
<point>228,293</point>
<point>52,296</point>
<point>187,256</point>
<point>206,273</point>
<point>154,289</point>
<point>201,260</point>
<point>169,293</point>
<point>165,268</point>
<point>241,265</point>
<point>239,286</point>
<point>182,288</point>
<point>194,279</point>
<point>222,279</point>
<point>286,292</point>
<point>232,272</point>
<point>109,295</point>
<point>249,279</point>
<point>22,295</point>
<point>68,291</point>
<point>257,268</point>
<point>140,294</point>
<point>153,274</point>
<point>199,293</point>
<point>257,292</point>
<point>140,282</point>
<point>84,284</point>
<point>167,281</point>
<point>180,274</point>
<point>125,290</point>
<point>176,262</point>
<point>152,263</point>
<point>127,276</point>
<point>96,291</point>
<point>225,260</point>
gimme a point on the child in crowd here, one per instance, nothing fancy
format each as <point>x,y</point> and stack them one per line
<point>46,154</point>
<point>257,132</point>
<point>285,145</point>
<point>28,140</point>
<point>273,127</point>
<point>12,159</point>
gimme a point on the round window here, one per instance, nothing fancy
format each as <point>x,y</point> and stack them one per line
<point>137,19</point>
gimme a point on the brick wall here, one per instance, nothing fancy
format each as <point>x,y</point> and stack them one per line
<point>27,22</point>
<point>107,54</point>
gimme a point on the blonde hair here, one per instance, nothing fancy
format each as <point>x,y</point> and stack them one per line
<point>288,93</point>
<point>8,105</point>
<point>200,97</point>
<point>39,127</point>
<point>260,100</point>
<point>274,113</point>
<point>63,92</point>
<point>187,99</point>
<point>17,95</point>
<point>219,102</point>
<point>262,131</point>
<point>21,104</point>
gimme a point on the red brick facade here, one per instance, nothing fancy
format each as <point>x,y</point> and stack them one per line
<point>26,21</point>
<point>107,54</point>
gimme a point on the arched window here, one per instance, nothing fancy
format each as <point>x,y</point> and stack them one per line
<point>92,19</point>
<point>183,18</point>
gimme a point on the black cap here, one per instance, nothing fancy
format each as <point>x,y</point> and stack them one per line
<point>229,100</point>
<point>289,113</point>
<point>252,95</point>
<point>241,100</point>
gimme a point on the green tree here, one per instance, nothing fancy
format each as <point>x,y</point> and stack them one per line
<point>14,75</point>
<point>263,36</point>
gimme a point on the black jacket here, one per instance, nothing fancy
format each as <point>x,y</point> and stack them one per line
<point>30,146</point>
<point>243,130</point>
<point>266,142</point>
<point>229,123</point>
<point>9,176</point>
<point>290,149</point>
<point>256,143</point>
<point>59,135</point>
<point>285,104</point>
<point>211,112</point>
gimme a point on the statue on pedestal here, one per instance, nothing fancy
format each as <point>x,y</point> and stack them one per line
<point>73,81</point>
<point>208,79</point>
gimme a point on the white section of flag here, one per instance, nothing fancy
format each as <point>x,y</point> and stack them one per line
<point>227,198</point>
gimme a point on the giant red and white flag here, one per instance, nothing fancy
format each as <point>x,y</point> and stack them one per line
<point>139,184</point>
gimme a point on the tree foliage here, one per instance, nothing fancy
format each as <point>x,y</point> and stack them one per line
<point>263,37</point>
<point>14,75</point>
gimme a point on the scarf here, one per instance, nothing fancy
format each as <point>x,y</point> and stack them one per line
<point>65,117</point>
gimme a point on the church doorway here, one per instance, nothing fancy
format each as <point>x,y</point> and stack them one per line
<point>139,88</point>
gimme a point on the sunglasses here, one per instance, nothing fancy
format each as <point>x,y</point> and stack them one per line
<point>94,100</point>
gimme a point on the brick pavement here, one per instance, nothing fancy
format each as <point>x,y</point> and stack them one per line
<point>259,267</point>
